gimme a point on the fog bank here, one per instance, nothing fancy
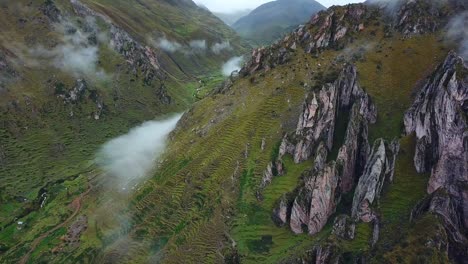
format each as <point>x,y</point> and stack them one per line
<point>234,64</point>
<point>129,159</point>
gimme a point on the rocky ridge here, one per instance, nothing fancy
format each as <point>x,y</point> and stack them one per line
<point>379,170</point>
<point>137,55</point>
<point>308,209</point>
<point>337,26</point>
<point>438,117</point>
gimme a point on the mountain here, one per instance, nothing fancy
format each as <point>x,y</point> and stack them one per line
<point>231,18</point>
<point>272,20</point>
<point>343,142</point>
<point>74,74</point>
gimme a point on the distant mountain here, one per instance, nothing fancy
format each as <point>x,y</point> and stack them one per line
<point>231,18</point>
<point>271,20</point>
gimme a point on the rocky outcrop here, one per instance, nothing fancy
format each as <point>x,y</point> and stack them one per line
<point>137,55</point>
<point>422,16</point>
<point>379,169</point>
<point>416,17</point>
<point>318,118</point>
<point>316,201</point>
<point>273,169</point>
<point>282,211</point>
<point>352,156</point>
<point>449,209</point>
<point>266,58</point>
<point>438,117</point>
<point>75,231</point>
<point>344,227</point>
<point>50,10</point>
<point>329,27</point>
<point>316,124</point>
<point>80,93</point>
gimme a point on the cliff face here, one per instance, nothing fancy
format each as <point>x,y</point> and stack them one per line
<point>438,117</point>
<point>378,171</point>
<point>322,186</point>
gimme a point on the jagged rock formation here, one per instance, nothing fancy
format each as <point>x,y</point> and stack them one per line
<point>137,56</point>
<point>316,124</point>
<point>316,201</point>
<point>344,227</point>
<point>323,185</point>
<point>352,156</point>
<point>77,95</point>
<point>273,169</point>
<point>419,16</point>
<point>379,169</point>
<point>317,121</point>
<point>328,29</point>
<point>439,119</point>
<point>447,207</point>
<point>282,211</point>
<point>333,26</point>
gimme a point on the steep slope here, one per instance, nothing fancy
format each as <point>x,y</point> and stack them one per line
<point>307,156</point>
<point>272,20</point>
<point>74,74</point>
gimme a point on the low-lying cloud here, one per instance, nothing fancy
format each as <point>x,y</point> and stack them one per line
<point>457,33</point>
<point>129,159</point>
<point>232,65</point>
<point>196,46</point>
<point>77,53</point>
<point>217,48</point>
<point>168,46</point>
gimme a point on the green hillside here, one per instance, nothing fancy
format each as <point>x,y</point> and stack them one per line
<point>76,74</point>
<point>209,199</point>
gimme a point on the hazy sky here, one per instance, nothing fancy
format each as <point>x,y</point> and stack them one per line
<point>235,5</point>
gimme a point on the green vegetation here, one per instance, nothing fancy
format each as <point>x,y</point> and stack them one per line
<point>201,204</point>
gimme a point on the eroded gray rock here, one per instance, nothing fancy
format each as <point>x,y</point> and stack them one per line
<point>316,201</point>
<point>352,156</point>
<point>378,170</point>
<point>438,117</point>
<point>344,227</point>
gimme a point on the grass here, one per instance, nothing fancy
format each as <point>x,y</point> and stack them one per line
<point>201,203</point>
<point>391,85</point>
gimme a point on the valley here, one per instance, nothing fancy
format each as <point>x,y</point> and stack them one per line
<point>344,141</point>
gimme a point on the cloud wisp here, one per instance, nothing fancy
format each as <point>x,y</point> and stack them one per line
<point>217,48</point>
<point>456,33</point>
<point>196,46</point>
<point>77,53</point>
<point>232,65</point>
<point>129,159</point>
